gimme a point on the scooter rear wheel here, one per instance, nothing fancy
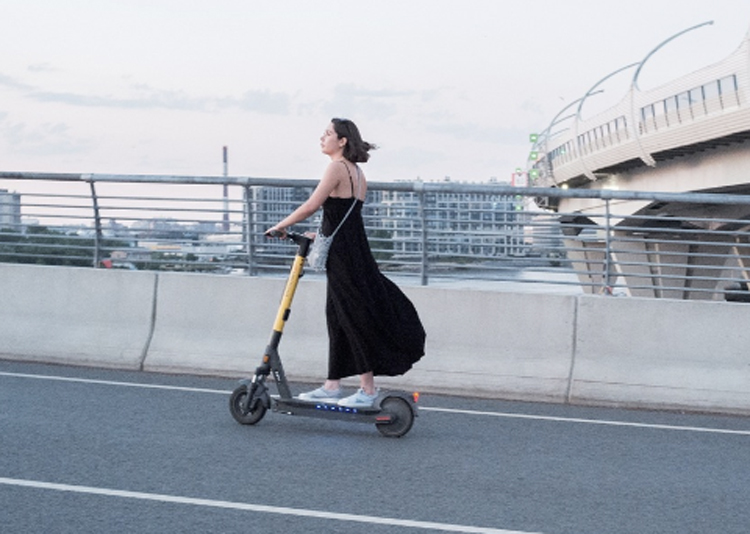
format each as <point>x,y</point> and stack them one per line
<point>403,417</point>
<point>236,403</point>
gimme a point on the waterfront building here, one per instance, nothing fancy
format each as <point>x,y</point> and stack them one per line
<point>10,210</point>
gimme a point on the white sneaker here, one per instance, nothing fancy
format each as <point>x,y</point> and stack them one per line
<point>359,400</point>
<point>321,394</point>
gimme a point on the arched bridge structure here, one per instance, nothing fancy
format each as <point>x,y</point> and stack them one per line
<point>689,135</point>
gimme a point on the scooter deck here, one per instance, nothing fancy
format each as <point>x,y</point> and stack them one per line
<point>329,410</point>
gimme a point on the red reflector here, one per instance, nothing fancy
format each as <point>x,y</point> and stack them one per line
<point>383,418</point>
<point>416,396</point>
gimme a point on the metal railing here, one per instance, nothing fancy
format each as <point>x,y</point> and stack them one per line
<point>432,233</point>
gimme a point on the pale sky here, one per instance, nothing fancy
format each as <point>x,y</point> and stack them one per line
<point>444,87</point>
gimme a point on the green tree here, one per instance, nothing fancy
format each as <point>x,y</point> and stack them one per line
<point>41,245</point>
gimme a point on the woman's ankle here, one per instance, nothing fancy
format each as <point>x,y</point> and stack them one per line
<point>332,385</point>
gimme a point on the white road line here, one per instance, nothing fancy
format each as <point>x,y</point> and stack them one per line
<point>114,383</point>
<point>507,415</point>
<point>258,508</point>
<point>591,421</point>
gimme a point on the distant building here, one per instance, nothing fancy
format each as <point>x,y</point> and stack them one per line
<point>467,225</point>
<point>271,204</point>
<point>10,210</point>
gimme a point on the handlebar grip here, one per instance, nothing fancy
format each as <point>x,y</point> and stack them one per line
<point>276,233</point>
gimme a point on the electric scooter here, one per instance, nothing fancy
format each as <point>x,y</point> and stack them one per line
<point>392,413</point>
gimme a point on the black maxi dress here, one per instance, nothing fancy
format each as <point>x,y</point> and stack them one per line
<point>372,325</point>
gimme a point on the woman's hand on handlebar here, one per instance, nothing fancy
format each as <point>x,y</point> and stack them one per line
<point>276,232</point>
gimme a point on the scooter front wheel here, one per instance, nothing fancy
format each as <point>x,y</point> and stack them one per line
<point>256,409</point>
<point>402,415</point>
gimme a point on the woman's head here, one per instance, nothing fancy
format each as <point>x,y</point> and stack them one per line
<point>356,149</point>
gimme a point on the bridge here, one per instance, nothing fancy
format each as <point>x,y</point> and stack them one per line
<point>688,136</point>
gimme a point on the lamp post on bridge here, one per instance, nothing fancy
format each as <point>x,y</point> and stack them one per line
<point>546,134</point>
<point>586,170</point>
<point>645,156</point>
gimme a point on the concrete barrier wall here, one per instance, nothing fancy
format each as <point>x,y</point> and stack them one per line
<point>75,315</point>
<point>560,348</point>
<point>222,324</point>
<point>492,343</point>
<point>662,353</point>
<point>484,342</point>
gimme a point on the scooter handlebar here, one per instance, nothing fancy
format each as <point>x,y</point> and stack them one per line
<point>291,236</point>
<point>277,234</point>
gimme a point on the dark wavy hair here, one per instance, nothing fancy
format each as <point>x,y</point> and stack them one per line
<point>356,149</point>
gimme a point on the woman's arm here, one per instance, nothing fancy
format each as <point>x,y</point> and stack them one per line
<point>329,182</point>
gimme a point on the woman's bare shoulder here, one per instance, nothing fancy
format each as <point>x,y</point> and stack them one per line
<point>337,169</point>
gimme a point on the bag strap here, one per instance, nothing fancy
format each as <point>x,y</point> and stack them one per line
<point>356,196</point>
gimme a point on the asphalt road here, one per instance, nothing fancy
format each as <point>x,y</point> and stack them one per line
<point>90,451</point>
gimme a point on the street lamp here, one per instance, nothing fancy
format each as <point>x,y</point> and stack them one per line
<point>645,156</point>
<point>546,134</point>
<point>586,171</point>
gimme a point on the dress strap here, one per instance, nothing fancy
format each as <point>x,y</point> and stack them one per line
<point>351,181</point>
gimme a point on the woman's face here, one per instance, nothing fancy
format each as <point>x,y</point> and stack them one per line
<point>330,144</point>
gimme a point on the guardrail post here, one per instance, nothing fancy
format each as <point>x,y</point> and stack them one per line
<point>247,231</point>
<point>97,223</point>
<point>607,289</point>
<point>419,189</point>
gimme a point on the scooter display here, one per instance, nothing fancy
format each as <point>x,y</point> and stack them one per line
<point>393,413</point>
